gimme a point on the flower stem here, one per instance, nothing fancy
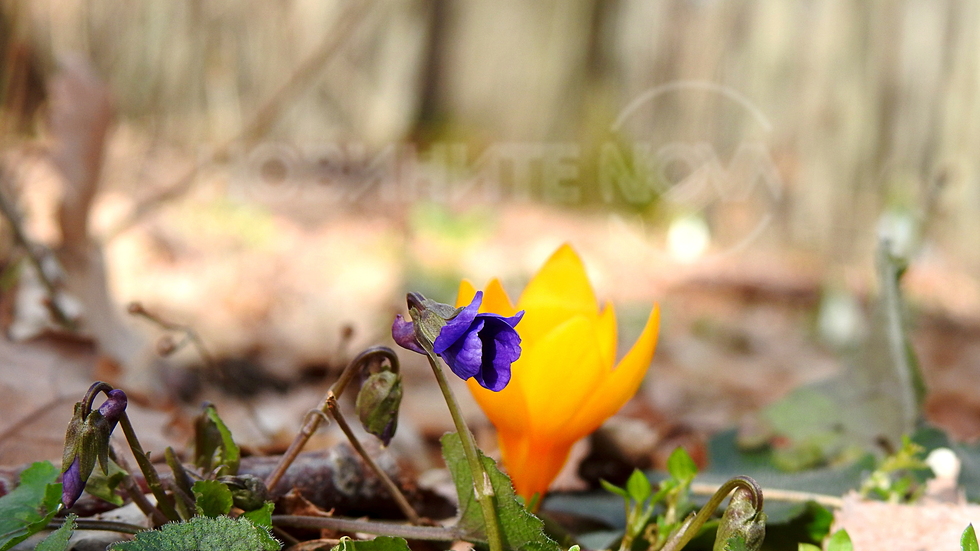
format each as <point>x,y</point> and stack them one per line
<point>149,473</point>
<point>329,407</point>
<point>693,524</point>
<point>481,480</point>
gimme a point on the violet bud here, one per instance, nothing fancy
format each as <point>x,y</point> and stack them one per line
<point>377,404</point>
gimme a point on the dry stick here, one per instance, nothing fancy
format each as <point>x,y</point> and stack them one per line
<point>775,494</point>
<point>136,493</point>
<point>137,309</point>
<point>95,524</point>
<point>329,407</point>
<point>10,212</point>
<point>431,533</point>
<point>343,28</point>
<point>393,489</point>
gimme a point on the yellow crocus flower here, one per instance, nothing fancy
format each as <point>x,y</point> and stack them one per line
<point>566,382</point>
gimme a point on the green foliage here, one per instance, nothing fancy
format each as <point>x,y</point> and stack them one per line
<point>261,516</point>
<point>203,534</point>
<point>214,448</point>
<point>28,508</point>
<point>894,480</point>
<point>58,540</point>
<point>103,486</point>
<point>968,541</point>
<point>520,530</point>
<point>213,498</point>
<point>380,543</point>
<point>840,541</point>
<point>640,502</point>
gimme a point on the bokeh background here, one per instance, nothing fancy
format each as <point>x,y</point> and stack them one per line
<point>277,175</point>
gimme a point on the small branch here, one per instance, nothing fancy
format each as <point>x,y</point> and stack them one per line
<point>136,493</point>
<point>10,212</point>
<point>263,118</point>
<point>775,494</point>
<point>393,489</point>
<point>329,407</point>
<point>407,531</point>
<point>190,335</point>
<point>95,524</point>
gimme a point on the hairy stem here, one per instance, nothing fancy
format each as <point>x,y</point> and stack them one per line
<point>481,480</point>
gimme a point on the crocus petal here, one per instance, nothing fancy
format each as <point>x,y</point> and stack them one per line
<point>71,484</point>
<point>403,332</point>
<point>458,326</point>
<point>557,374</point>
<point>606,334</point>
<point>532,462</point>
<point>620,385</point>
<point>465,355</point>
<point>559,291</point>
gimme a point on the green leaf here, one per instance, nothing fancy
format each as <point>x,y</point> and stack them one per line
<point>203,534</point>
<point>807,547</point>
<point>840,541</point>
<point>380,543</point>
<point>261,516</point>
<point>520,530</point>
<point>638,486</point>
<point>614,489</point>
<point>968,541</point>
<point>103,486</point>
<point>681,466</point>
<point>58,540</point>
<point>213,498</point>
<point>31,505</point>
<point>214,448</point>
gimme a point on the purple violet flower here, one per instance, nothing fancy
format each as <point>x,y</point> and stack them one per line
<point>482,346</point>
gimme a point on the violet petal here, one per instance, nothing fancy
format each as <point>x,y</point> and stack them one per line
<point>458,326</point>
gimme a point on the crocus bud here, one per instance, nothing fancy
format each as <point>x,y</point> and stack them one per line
<point>482,346</point>
<point>377,404</point>
<point>741,520</point>
<point>87,441</point>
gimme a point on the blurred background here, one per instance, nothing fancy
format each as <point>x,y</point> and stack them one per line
<point>277,175</point>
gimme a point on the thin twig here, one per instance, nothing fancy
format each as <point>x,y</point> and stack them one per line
<point>775,494</point>
<point>136,493</point>
<point>13,216</point>
<point>137,309</point>
<point>329,407</point>
<point>96,524</point>
<point>263,118</point>
<point>408,531</point>
<point>393,489</point>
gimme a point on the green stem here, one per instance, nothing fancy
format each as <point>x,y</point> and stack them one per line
<point>149,473</point>
<point>693,524</point>
<point>481,480</point>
